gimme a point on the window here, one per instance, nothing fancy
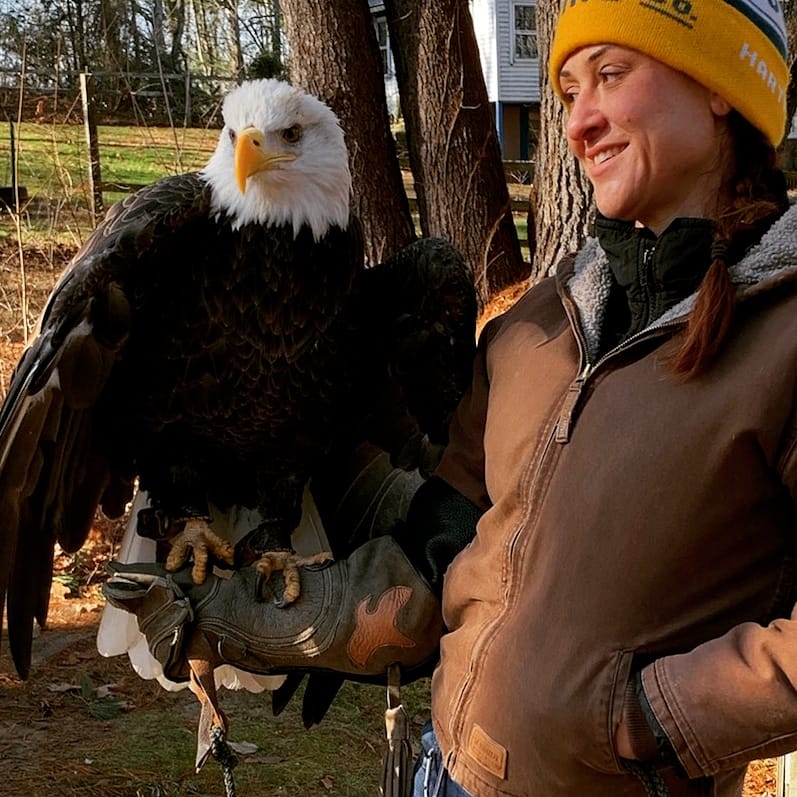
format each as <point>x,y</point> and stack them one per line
<point>384,46</point>
<point>525,31</point>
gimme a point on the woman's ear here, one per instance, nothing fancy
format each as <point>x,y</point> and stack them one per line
<point>719,106</point>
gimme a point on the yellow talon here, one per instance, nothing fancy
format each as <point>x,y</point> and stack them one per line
<point>198,539</point>
<point>289,563</point>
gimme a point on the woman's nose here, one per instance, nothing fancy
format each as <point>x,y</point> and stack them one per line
<point>585,118</point>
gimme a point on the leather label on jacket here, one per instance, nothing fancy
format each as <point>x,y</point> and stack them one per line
<point>487,752</point>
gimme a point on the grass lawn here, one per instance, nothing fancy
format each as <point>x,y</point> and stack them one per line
<point>52,167</point>
<point>53,159</point>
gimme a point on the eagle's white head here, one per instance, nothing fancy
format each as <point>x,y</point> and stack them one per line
<point>281,159</point>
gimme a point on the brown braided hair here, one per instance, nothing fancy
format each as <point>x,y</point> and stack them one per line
<point>757,195</point>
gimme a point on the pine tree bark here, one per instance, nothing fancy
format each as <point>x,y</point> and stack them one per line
<point>112,20</point>
<point>453,146</point>
<point>562,195</point>
<point>790,18</point>
<point>334,55</point>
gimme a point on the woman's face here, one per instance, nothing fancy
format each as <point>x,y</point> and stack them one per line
<point>650,139</point>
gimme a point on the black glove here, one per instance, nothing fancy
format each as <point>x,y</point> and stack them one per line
<point>439,524</point>
<point>367,497</point>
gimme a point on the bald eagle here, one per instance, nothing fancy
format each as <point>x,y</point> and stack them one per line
<point>214,342</point>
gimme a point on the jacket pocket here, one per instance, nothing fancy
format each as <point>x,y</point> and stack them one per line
<point>622,672</point>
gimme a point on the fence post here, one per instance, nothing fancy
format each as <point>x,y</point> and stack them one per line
<point>787,776</point>
<point>14,198</point>
<point>90,126</point>
<point>187,99</point>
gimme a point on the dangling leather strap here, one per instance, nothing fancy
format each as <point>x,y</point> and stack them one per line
<point>203,685</point>
<point>212,730</point>
<point>397,760</point>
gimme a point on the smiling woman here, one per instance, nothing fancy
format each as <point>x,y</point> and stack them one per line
<point>670,118</point>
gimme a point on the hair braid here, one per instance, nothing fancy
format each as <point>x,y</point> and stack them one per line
<point>758,196</point>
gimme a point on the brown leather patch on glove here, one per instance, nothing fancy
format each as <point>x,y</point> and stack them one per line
<point>377,627</point>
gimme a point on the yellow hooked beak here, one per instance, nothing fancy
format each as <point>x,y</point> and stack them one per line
<point>252,157</point>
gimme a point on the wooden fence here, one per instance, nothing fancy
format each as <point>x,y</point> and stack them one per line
<point>786,776</point>
<point>121,97</point>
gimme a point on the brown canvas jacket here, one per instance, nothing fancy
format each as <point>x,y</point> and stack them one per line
<point>634,522</point>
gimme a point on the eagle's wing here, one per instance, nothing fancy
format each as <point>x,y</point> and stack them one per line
<point>53,475</point>
<point>423,309</point>
<point>417,313</point>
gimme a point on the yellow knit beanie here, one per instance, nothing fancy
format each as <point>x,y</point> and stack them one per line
<point>736,48</point>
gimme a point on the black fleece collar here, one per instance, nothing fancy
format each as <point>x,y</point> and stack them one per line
<point>651,273</point>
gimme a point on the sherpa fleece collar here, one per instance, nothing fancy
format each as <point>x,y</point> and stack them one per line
<point>588,279</point>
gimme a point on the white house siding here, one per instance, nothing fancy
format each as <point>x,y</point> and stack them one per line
<point>391,84</point>
<point>392,96</point>
<point>518,82</point>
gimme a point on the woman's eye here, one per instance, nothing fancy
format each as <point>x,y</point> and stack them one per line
<point>292,134</point>
<point>569,93</point>
<point>610,74</point>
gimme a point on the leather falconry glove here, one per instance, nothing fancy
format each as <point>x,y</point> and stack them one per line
<point>370,617</point>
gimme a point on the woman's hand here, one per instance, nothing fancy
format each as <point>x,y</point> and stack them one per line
<point>622,741</point>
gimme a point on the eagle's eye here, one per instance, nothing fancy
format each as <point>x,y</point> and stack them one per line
<point>232,135</point>
<point>291,135</point>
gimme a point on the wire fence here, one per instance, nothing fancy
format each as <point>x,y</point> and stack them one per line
<point>187,99</point>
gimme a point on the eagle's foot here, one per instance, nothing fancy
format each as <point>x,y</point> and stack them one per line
<point>197,538</point>
<point>289,563</point>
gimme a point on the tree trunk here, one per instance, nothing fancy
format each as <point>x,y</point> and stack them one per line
<point>790,17</point>
<point>454,151</point>
<point>563,196</point>
<point>158,28</point>
<point>235,28</point>
<point>334,55</point>
<point>137,55</point>
<point>78,26</point>
<point>177,28</point>
<point>276,31</point>
<point>112,20</point>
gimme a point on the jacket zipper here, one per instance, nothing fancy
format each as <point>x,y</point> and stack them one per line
<point>648,250</point>
<point>575,391</point>
<point>564,422</point>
